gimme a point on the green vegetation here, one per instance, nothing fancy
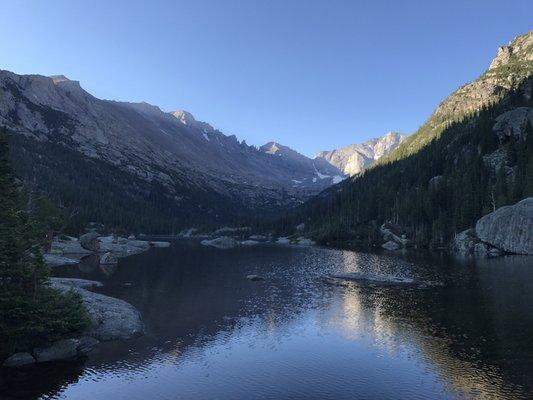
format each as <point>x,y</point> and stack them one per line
<point>437,184</point>
<point>31,313</point>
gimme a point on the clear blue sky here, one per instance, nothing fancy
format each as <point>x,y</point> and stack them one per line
<point>310,74</point>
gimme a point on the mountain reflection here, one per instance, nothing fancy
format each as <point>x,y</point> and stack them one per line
<point>213,333</point>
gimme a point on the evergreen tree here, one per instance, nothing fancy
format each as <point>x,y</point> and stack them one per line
<point>31,313</point>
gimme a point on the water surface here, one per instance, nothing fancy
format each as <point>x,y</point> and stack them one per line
<point>213,334</point>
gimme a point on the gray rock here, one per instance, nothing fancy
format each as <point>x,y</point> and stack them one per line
<point>258,237</point>
<point>513,123</point>
<point>65,349</point>
<point>391,233</point>
<point>86,344</point>
<point>76,283</point>
<point>283,240</point>
<point>70,247</point>
<point>108,258</point>
<point>467,243</point>
<point>19,360</point>
<point>89,241</point>
<point>250,243</point>
<point>302,241</point>
<point>509,228</point>
<point>111,318</point>
<point>369,278</point>
<point>223,242</point>
<point>55,260</point>
<point>390,245</point>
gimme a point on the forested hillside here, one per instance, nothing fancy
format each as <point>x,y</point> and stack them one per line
<point>472,156</point>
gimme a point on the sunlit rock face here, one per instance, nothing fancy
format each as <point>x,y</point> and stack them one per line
<point>355,158</point>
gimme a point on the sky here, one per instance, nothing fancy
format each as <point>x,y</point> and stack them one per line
<point>313,75</point>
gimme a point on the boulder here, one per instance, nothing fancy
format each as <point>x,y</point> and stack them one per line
<point>55,260</point>
<point>302,241</point>
<point>283,240</point>
<point>65,349</point>
<point>223,242</point>
<point>108,258</point>
<point>390,245</point>
<point>111,318</point>
<point>513,122</point>
<point>509,228</point>
<point>390,233</point>
<point>467,243</point>
<point>19,360</point>
<point>86,344</point>
<point>89,241</point>
<point>63,247</point>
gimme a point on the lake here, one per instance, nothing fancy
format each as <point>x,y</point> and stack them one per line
<point>467,332</point>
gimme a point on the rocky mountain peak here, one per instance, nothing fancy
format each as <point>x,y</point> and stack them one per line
<point>186,118</point>
<point>355,158</point>
<point>520,49</point>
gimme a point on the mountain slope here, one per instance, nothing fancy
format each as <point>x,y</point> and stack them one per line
<point>193,170</point>
<point>355,158</point>
<point>473,155</point>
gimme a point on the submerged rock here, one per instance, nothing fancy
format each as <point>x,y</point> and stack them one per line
<point>223,242</point>
<point>19,360</point>
<point>509,228</point>
<point>111,318</point>
<point>253,277</point>
<point>368,278</point>
<point>66,349</point>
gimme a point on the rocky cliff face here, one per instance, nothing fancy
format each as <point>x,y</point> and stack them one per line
<point>173,151</point>
<point>508,71</point>
<point>355,158</point>
<point>509,228</point>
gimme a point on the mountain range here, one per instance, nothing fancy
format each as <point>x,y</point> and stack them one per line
<point>142,155</point>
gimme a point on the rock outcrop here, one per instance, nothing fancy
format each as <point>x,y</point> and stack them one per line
<point>509,228</point>
<point>90,241</point>
<point>111,318</point>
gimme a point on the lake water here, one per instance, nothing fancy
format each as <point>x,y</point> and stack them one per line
<point>213,334</point>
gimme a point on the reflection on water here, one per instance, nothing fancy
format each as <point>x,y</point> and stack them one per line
<point>214,334</point>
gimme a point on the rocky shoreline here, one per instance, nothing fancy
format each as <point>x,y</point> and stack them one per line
<point>110,318</point>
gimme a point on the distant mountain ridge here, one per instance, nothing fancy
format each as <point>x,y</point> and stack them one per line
<point>355,158</point>
<point>196,170</point>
